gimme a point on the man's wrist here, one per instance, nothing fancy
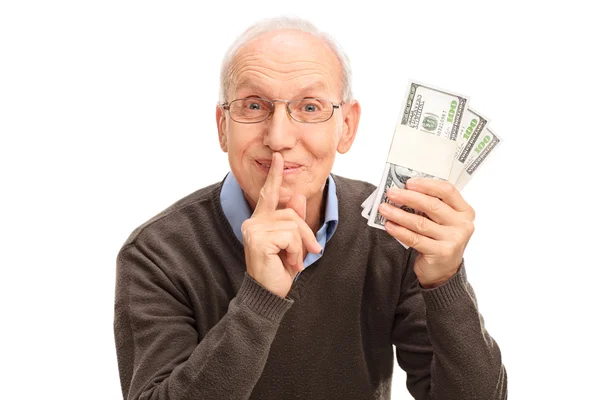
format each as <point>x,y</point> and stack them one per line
<point>441,281</point>
<point>444,295</point>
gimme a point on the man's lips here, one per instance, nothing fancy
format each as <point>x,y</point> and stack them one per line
<point>290,169</point>
<point>286,164</point>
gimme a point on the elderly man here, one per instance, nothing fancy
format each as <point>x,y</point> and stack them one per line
<point>270,285</point>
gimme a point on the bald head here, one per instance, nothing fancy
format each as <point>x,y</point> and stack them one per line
<point>275,30</point>
<point>296,62</point>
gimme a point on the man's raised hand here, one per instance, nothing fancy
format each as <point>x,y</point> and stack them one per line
<point>275,240</point>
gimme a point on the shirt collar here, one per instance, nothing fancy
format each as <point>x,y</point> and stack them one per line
<point>236,208</point>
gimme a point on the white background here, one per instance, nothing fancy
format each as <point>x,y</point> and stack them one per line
<point>107,117</point>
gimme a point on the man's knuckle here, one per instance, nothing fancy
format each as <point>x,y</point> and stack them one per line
<point>434,205</point>
<point>289,213</point>
<point>469,227</point>
<point>472,213</point>
<point>252,231</point>
<point>456,236</point>
<point>449,190</point>
<point>288,236</point>
<point>245,227</point>
<point>414,239</point>
<point>422,224</point>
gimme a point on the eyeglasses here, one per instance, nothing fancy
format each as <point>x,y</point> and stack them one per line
<point>252,110</point>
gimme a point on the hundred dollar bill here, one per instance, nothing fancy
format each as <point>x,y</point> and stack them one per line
<point>367,204</point>
<point>470,128</point>
<point>484,146</point>
<point>369,200</point>
<point>395,177</point>
<point>432,111</point>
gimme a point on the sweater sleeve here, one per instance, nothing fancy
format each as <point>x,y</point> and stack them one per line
<point>442,344</point>
<point>159,352</point>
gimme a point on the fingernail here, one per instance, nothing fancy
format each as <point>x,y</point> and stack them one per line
<point>393,192</point>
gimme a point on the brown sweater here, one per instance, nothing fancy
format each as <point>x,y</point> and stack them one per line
<point>191,324</point>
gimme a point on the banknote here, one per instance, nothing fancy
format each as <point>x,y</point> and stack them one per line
<point>367,204</point>
<point>433,110</point>
<point>470,128</point>
<point>473,161</point>
<point>395,177</point>
<point>368,201</point>
<point>487,142</point>
<point>430,111</point>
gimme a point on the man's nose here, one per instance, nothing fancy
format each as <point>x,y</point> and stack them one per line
<point>281,130</point>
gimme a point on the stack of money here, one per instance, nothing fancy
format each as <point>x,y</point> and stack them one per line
<point>438,136</point>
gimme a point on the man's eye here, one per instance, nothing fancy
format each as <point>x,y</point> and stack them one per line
<point>310,108</point>
<point>254,106</point>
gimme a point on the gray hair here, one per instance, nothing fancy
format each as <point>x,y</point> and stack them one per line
<point>284,23</point>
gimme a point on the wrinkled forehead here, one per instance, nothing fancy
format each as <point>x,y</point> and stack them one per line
<point>286,63</point>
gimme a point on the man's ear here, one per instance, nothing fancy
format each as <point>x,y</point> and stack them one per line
<point>222,127</point>
<point>351,118</point>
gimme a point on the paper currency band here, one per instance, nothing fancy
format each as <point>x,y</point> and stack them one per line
<point>423,152</point>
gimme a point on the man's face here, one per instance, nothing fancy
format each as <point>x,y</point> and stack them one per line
<point>286,65</point>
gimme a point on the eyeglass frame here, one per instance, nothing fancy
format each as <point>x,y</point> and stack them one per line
<point>226,105</point>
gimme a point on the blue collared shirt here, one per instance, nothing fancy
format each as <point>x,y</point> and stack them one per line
<point>237,210</point>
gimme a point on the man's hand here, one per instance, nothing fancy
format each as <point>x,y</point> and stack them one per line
<point>440,239</point>
<point>275,241</point>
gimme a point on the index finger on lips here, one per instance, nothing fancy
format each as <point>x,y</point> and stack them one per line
<point>269,194</point>
<point>443,190</point>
